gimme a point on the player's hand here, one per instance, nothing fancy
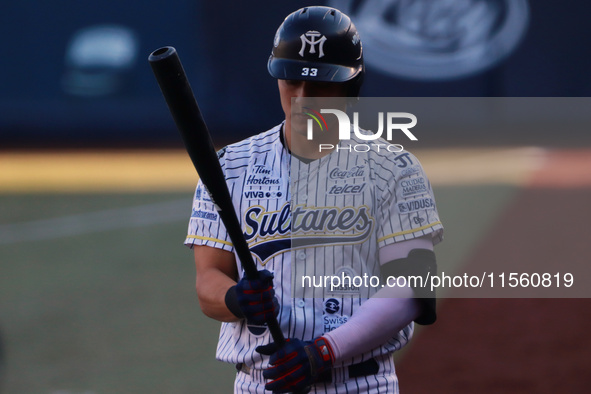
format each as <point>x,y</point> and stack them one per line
<point>296,365</point>
<point>256,298</point>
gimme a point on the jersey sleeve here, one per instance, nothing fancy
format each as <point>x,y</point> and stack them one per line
<point>407,207</point>
<point>205,226</point>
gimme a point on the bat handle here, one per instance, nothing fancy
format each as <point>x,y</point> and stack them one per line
<point>276,332</point>
<point>279,339</point>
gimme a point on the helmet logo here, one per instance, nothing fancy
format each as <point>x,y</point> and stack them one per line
<point>312,37</point>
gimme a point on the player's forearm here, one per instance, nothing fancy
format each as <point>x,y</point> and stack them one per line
<point>216,273</point>
<point>376,322</point>
<point>212,287</point>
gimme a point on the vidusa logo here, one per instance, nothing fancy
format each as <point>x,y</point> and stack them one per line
<point>317,117</point>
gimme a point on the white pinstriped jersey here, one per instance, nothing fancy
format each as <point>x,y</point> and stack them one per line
<point>348,204</point>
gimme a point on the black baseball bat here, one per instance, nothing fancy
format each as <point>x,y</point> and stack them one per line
<point>175,87</point>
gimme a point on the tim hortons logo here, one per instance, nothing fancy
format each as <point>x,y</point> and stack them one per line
<point>313,38</point>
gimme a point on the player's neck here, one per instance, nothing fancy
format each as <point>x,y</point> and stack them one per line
<point>299,145</point>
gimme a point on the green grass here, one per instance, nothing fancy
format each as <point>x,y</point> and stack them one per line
<point>104,312</point>
<point>115,311</point>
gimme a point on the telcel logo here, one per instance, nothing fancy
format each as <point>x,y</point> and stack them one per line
<point>345,130</point>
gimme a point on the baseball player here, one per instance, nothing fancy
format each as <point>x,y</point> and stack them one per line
<point>305,213</point>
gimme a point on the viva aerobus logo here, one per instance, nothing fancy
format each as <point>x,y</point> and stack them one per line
<point>345,130</point>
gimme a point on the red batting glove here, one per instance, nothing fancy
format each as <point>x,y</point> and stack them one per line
<point>297,365</point>
<point>255,299</point>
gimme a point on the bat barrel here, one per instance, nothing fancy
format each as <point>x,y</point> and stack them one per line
<point>161,53</point>
<point>175,87</point>
<point>169,72</point>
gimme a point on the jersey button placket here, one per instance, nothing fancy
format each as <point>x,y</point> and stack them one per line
<point>301,256</point>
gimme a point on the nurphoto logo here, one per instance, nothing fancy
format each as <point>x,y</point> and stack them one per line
<point>392,124</point>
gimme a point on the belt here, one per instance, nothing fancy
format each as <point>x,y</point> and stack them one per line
<point>365,368</point>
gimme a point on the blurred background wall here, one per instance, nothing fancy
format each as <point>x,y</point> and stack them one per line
<point>75,74</point>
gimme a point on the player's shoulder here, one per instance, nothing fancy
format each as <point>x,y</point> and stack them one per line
<point>237,157</point>
<point>256,144</point>
<point>389,159</point>
<point>380,149</point>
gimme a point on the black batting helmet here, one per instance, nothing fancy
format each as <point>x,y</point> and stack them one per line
<point>319,44</point>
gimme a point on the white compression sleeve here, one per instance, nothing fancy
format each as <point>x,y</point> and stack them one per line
<point>370,327</point>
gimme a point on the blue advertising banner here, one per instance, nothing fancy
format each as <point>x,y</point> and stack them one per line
<point>76,73</point>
